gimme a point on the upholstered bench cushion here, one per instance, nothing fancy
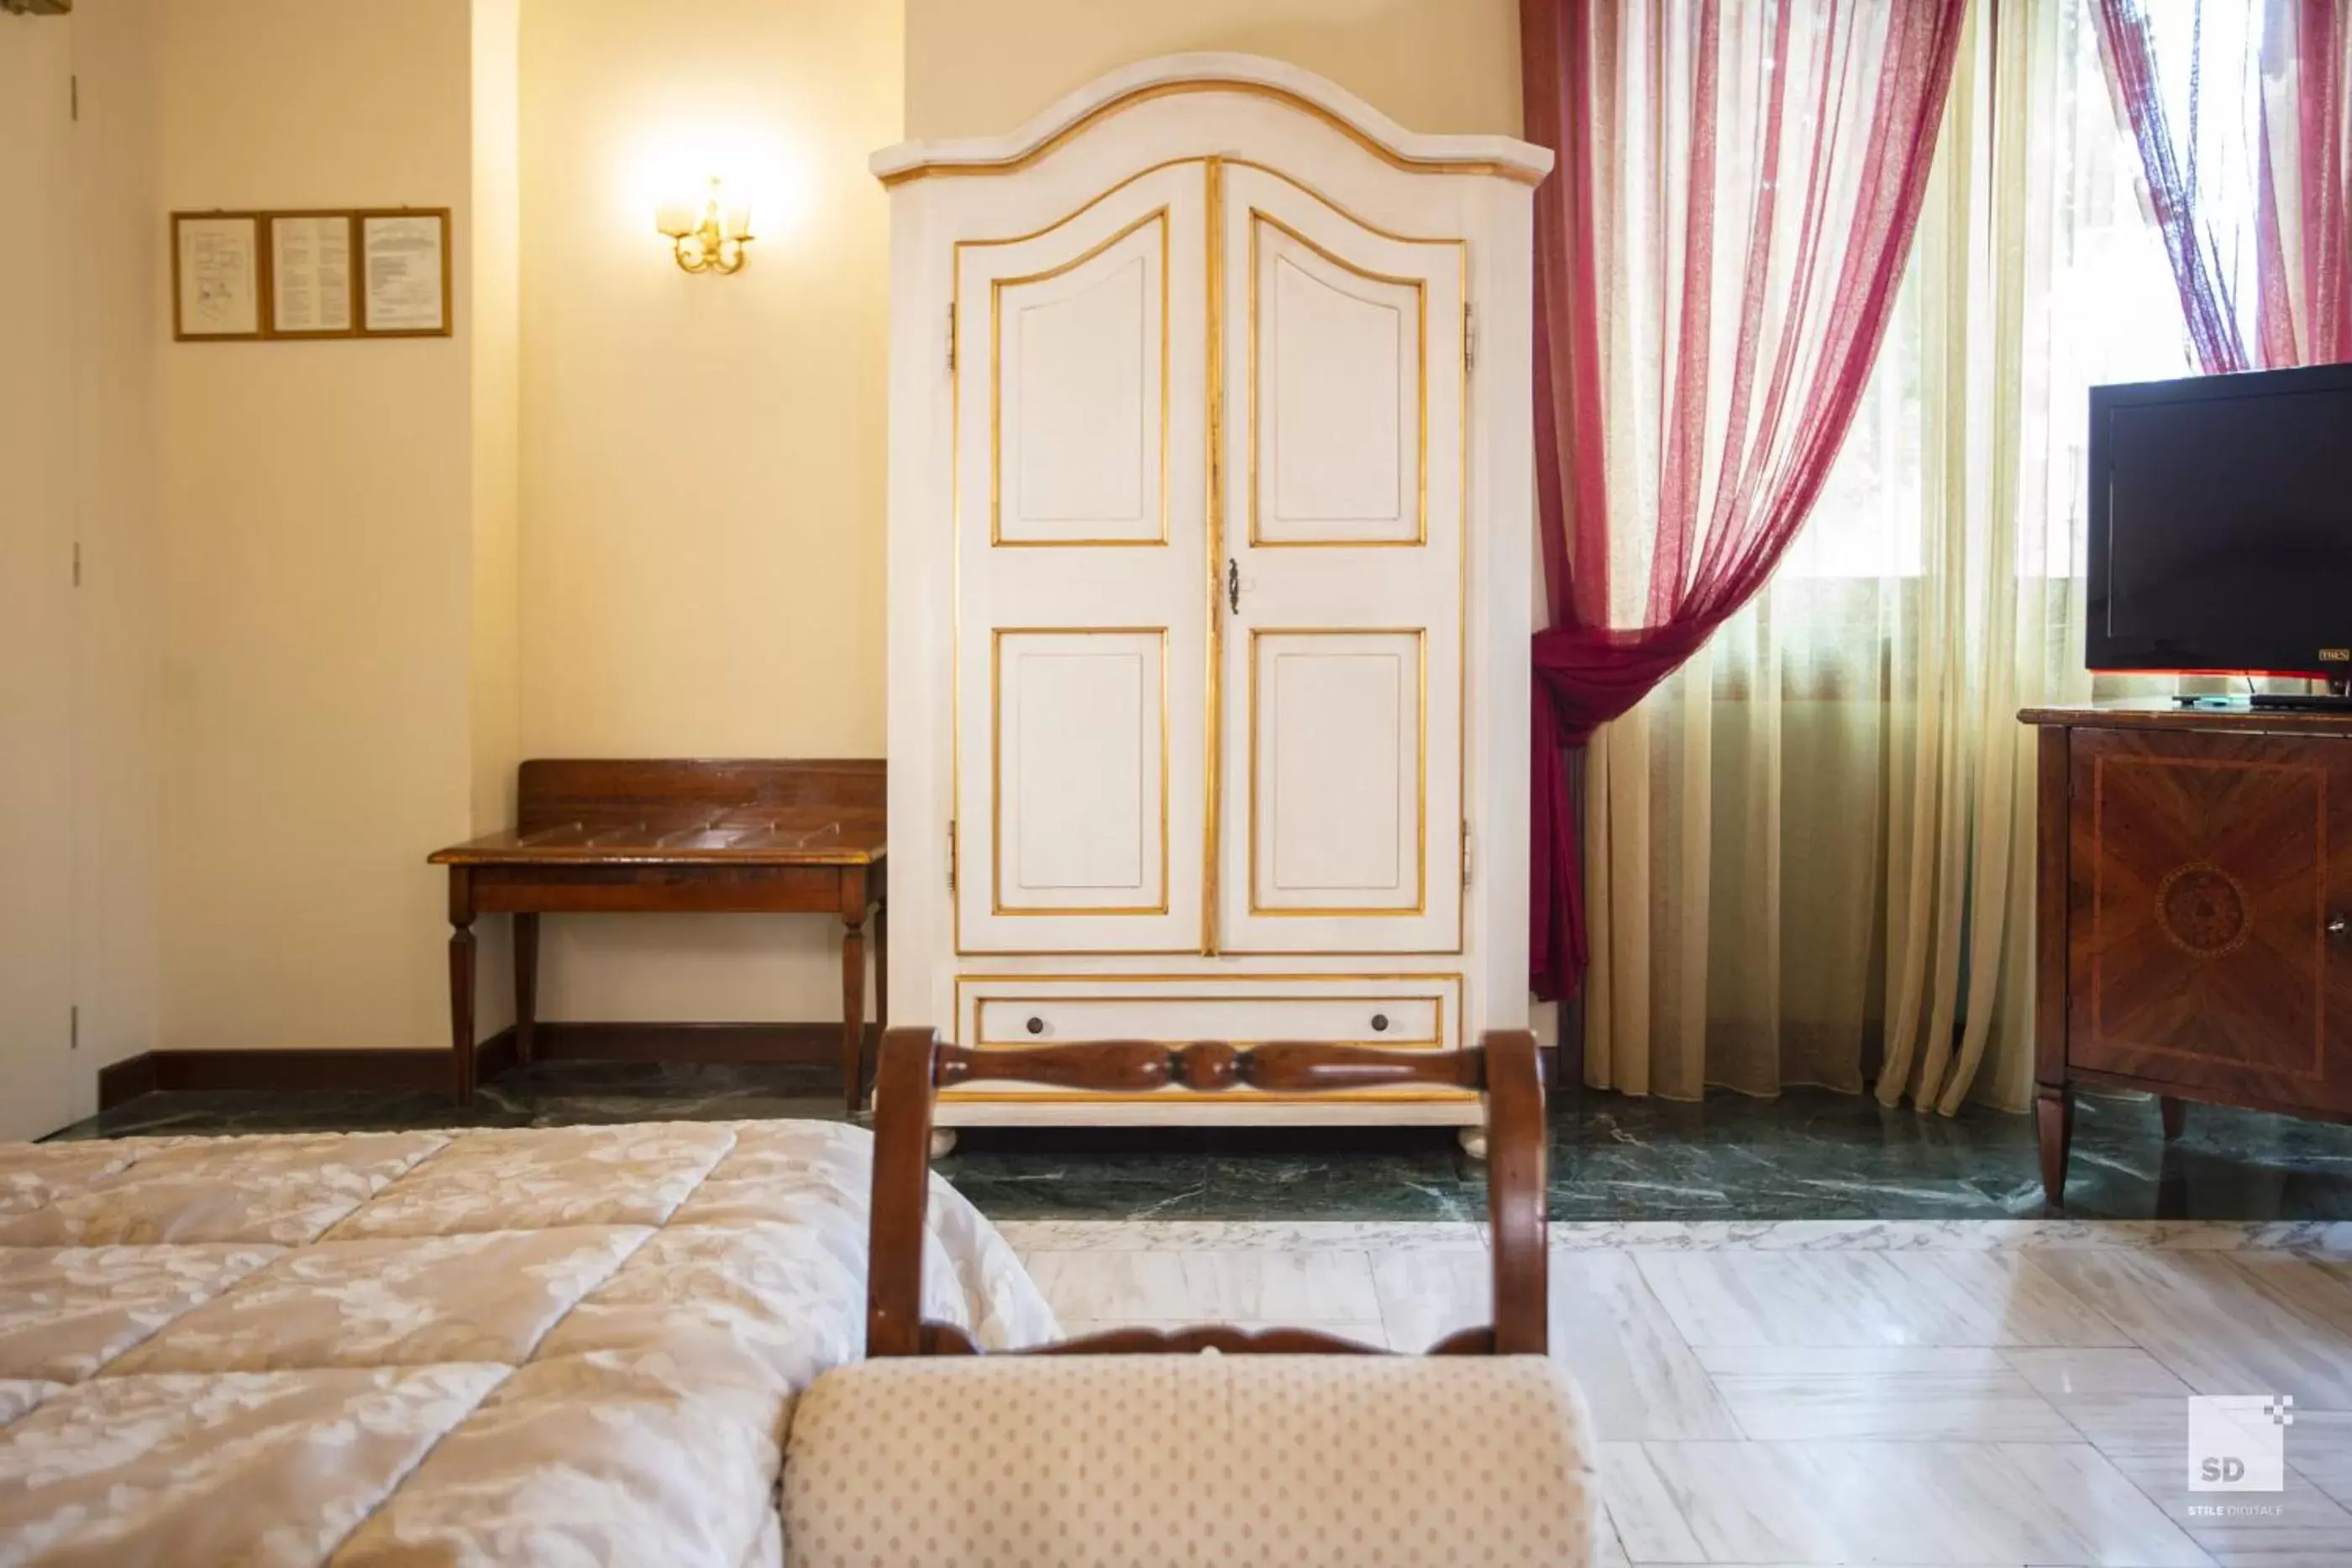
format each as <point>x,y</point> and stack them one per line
<point>1075,1461</point>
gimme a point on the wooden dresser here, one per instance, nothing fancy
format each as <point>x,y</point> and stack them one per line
<point>2194,910</point>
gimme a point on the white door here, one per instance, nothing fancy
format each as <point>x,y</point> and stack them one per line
<point>1081,577</point>
<point>36,384</point>
<point>1342,664</point>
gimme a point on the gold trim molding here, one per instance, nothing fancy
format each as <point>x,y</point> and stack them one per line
<point>1151,91</point>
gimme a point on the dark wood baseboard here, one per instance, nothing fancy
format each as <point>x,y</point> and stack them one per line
<point>792,1044</point>
<point>291,1070</point>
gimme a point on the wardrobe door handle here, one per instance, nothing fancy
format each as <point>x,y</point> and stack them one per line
<point>1233,585</point>
<point>1035,1026</point>
<point>1380,1023</point>
<point>2337,925</point>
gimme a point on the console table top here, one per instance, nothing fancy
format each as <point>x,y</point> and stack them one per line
<point>2163,712</point>
<point>739,811</point>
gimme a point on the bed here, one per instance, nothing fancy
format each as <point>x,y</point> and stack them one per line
<point>562,1345</point>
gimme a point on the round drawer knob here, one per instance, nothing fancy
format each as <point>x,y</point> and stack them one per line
<point>1380,1023</point>
<point>1036,1026</point>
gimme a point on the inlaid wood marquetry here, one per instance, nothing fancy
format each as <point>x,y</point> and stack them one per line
<point>2203,911</point>
<point>2200,866</point>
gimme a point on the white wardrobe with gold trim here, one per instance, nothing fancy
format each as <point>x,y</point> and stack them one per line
<point>1210,582</point>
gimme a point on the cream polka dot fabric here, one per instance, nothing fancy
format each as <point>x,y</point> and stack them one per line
<point>1150,1460</point>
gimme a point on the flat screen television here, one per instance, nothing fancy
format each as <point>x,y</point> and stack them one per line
<point>2221,524</point>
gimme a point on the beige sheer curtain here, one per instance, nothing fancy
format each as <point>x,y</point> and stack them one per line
<point>1809,852</point>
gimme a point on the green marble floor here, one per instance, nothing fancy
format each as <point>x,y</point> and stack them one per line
<point>1808,1155</point>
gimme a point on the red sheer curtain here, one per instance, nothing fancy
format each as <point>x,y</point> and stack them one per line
<point>1724,236</point>
<point>2241,144</point>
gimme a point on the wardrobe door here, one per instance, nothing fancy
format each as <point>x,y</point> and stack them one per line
<point>1343,376</point>
<point>1081,618</point>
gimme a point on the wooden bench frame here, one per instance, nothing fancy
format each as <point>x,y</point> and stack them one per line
<point>915,1065</point>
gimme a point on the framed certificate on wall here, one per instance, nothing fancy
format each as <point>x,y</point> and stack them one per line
<point>310,276</point>
<point>216,274</point>
<point>405,273</point>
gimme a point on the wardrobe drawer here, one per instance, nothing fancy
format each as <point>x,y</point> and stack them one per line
<point>1412,1016</point>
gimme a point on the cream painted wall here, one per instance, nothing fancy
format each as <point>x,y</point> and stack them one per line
<point>78,665</point>
<point>977,68</point>
<point>702,457</point>
<point>37,594</point>
<point>317,551</point>
<point>119,327</point>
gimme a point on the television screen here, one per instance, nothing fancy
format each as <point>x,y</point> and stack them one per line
<point>2221,524</point>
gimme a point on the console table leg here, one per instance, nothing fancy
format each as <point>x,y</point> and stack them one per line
<point>526,995</point>
<point>461,986</point>
<point>2054,1126</point>
<point>2176,1116</point>
<point>882,968</point>
<point>853,1009</point>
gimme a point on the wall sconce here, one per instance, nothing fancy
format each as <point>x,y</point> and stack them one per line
<point>711,241</point>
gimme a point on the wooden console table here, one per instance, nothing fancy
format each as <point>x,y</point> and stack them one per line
<point>2193,917</point>
<point>700,836</point>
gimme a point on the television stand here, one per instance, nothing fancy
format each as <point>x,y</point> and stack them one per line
<point>2193,929</point>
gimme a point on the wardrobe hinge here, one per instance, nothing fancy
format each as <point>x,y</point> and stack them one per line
<point>73,1028</point>
<point>1465,854</point>
<point>77,563</point>
<point>1469,336</point>
<point>74,91</point>
<point>951,337</point>
<point>951,854</point>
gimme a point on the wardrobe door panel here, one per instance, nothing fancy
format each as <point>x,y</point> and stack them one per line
<point>1336,801</point>
<point>1080,372</point>
<point>1081,610</point>
<point>1338,448</point>
<point>1344,369</point>
<point>1081,763</point>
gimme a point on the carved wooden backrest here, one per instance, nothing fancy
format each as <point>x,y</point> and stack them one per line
<point>915,1065</point>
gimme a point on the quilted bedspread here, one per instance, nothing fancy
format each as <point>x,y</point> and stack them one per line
<point>564,1345</point>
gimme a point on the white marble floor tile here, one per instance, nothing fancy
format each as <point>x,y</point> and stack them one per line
<point>2093,1371</point>
<point>2207,1320</point>
<point>1640,1380</point>
<point>1829,1299</point>
<point>1908,1395</point>
<point>2320,1447</point>
<point>1640,1377</point>
<point>1027,1235</point>
<point>1907,1503</point>
<point>2320,1291</point>
<point>1642,1508</point>
<point>1225,1286</point>
<point>2141,1426</point>
<point>2300,1527</point>
<point>1427,1293</point>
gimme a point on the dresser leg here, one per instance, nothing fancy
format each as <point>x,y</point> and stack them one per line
<point>2176,1117</point>
<point>2054,1126</point>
